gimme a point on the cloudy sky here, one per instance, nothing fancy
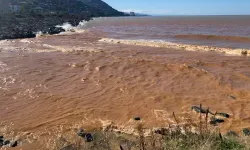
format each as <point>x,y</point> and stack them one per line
<point>183,7</point>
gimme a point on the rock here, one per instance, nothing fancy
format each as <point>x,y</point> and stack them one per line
<point>88,137</point>
<point>13,144</point>
<point>199,110</point>
<point>244,53</point>
<point>231,133</point>
<point>246,132</point>
<point>1,140</point>
<point>6,142</point>
<point>137,118</point>
<point>214,121</point>
<point>81,133</point>
<point>72,30</point>
<point>223,115</point>
<point>55,30</point>
<point>18,33</point>
<point>232,97</point>
<point>50,14</point>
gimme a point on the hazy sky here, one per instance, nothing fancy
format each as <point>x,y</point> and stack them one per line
<point>183,7</point>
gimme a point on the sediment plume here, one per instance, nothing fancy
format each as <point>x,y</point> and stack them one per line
<point>77,79</point>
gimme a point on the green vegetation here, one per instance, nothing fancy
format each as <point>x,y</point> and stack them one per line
<point>198,136</point>
<point>171,140</point>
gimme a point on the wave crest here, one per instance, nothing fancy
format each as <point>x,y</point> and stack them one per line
<point>214,37</point>
<point>178,46</point>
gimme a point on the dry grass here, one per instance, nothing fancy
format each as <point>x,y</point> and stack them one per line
<point>189,136</point>
<point>174,137</point>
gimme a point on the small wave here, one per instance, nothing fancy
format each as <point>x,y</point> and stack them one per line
<point>214,37</point>
<point>177,46</point>
<point>39,33</point>
<point>66,26</point>
<point>69,28</point>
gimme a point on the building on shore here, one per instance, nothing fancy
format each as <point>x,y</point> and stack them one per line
<point>132,13</point>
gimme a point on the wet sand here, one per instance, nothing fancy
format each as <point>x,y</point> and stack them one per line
<point>77,79</point>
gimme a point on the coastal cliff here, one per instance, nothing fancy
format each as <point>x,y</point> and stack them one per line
<point>23,18</point>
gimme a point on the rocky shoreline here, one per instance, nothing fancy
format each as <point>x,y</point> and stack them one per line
<point>16,26</point>
<point>32,16</point>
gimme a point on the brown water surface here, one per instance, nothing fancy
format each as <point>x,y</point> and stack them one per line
<point>220,31</point>
<point>74,79</point>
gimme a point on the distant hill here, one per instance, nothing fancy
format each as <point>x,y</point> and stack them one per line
<point>87,7</point>
<point>134,14</point>
<point>26,16</point>
<point>102,7</point>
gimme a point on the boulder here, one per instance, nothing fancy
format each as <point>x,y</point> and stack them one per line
<point>9,143</point>
<point>246,131</point>
<point>6,142</point>
<point>81,133</point>
<point>55,30</point>
<point>13,144</point>
<point>88,137</point>
<point>1,141</point>
<point>232,97</point>
<point>215,121</point>
<point>72,30</point>
<point>137,118</point>
<point>244,53</point>
<point>223,115</point>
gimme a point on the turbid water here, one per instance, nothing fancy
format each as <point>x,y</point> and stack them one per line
<point>220,31</point>
<point>75,78</point>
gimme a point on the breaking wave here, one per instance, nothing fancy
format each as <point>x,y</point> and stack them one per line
<point>68,28</point>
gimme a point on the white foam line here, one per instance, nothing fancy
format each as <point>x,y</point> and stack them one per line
<point>178,46</point>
